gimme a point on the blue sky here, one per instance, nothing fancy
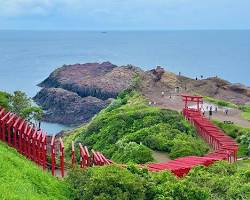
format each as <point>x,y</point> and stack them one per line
<point>124,14</point>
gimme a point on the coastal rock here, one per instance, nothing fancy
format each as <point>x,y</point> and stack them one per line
<point>66,107</point>
<point>73,94</point>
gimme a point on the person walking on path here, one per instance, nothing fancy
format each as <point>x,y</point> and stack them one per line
<point>210,112</point>
<point>162,93</point>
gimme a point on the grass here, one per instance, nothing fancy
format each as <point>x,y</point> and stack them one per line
<point>244,164</point>
<point>220,102</point>
<point>22,179</point>
<point>245,111</point>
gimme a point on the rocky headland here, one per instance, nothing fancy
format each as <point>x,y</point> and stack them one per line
<point>73,94</point>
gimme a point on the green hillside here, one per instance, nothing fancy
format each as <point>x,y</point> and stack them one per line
<point>22,179</point>
<point>129,129</point>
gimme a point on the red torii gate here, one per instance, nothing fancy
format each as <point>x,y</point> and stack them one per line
<point>188,98</point>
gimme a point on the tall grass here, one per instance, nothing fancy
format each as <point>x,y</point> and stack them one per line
<point>22,179</point>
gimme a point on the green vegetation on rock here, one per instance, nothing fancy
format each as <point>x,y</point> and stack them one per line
<point>128,129</point>
<point>22,179</point>
<point>220,102</point>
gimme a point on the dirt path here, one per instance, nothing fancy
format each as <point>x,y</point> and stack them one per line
<point>160,156</point>
<point>174,102</point>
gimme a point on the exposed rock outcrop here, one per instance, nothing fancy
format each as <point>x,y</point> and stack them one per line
<point>73,94</point>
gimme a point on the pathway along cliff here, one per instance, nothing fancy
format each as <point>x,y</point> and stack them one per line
<point>73,94</point>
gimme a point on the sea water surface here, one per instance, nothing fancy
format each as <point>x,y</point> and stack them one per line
<point>28,57</point>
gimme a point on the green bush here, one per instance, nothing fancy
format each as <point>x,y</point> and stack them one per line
<point>185,145</point>
<point>221,181</point>
<point>105,183</point>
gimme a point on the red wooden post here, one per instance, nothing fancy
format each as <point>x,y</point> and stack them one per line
<point>44,142</point>
<point>52,144</point>
<point>24,138</point>
<point>2,113</point>
<point>20,135</point>
<point>73,153</point>
<point>86,156</point>
<point>62,157</point>
<point>81,155</point>
<point>3,121</point>
<point>9,123</point>
<point>28,142</point>
<point>38,147</point>
<point>15,132</point>
<point>34,144</point>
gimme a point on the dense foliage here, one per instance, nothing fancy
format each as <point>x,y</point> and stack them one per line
<point>129,129</point>
<point>242,136</point>
<point>21,104</point>
<point>22,179</point>
<point>221,181</point>
<point>4,99</point>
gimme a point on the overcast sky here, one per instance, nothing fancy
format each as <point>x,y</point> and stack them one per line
<point>124,14</point>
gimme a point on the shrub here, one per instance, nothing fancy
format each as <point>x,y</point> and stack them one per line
<point>106,182</point>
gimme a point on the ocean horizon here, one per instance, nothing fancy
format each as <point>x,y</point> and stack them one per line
<point>28,57</point>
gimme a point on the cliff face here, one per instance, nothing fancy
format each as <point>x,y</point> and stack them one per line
<point>73,94</point>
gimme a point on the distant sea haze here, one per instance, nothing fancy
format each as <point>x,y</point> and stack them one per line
<point>28,57</point>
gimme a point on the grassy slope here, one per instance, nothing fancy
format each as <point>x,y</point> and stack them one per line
<point>119,129</point>
<point>22,179</point>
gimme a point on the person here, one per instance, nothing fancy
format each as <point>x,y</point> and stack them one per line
<point>196,78</point>
<point>226,111</point>
<point>216,109</point>
<point>162,94</point>
<point>210,112</point>
<point>204,112</point>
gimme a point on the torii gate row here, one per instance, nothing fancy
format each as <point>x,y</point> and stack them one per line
<point>189,98</point>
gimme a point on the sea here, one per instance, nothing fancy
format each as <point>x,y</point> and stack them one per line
<point>28,57</point>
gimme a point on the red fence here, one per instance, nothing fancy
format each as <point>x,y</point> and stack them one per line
<point>225,148</point>
<point>34,144</point>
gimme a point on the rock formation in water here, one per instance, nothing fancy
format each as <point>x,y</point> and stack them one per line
<point>73,94</point>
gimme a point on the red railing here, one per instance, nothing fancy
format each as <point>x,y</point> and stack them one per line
<point>33,144</point>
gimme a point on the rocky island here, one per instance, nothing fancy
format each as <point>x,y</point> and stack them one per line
<point>73,94</point>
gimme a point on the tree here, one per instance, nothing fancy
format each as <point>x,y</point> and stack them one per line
<point>21,104</point>
<point>19,101</point>
<point>33,113</point>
